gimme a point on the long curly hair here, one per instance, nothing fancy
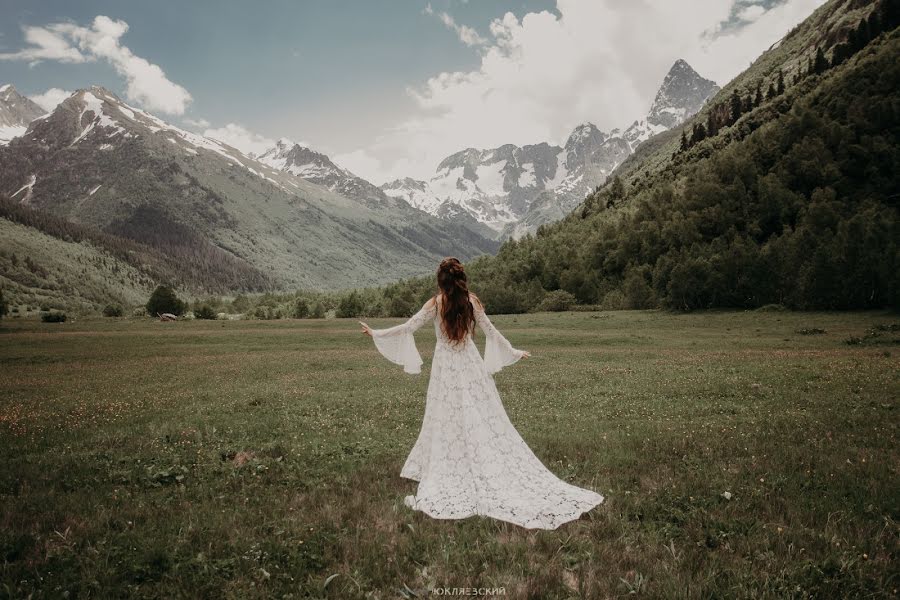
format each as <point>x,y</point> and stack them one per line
<point>457,312</point>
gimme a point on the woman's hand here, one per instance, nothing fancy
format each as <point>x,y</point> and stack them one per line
<point>526,354</point>
<point>366,329</point>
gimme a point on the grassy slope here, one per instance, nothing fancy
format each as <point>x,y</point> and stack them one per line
<point>256,459</point>
<point>71,275</point>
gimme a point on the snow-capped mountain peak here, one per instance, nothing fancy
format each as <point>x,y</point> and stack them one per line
<point>414,192</point>
<point>585,132</point>
<point>16,112</point>
<point>513,189</point>
<point>298,160</point>
<point>318,168</point>
<point>682,94</point>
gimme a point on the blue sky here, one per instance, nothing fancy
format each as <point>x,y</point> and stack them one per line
<point>390,87</point>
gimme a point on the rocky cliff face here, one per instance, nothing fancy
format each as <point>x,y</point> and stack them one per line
<point>16,112</point>
<point>318,168</point>
<point>513,190</point>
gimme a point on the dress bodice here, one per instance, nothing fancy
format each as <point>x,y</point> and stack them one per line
<point>397,343</point>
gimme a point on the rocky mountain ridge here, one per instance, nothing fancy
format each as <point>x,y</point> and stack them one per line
<point>513,190</point>
<point>97,161</point>
<point>16,112</point>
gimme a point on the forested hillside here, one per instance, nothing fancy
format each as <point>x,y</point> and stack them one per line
<point>785,191</point>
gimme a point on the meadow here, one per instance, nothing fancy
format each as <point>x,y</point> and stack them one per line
<point>742,454</point>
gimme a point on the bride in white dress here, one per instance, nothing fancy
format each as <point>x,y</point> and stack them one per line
<point>469,459</point>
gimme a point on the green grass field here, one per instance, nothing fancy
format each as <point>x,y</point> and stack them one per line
<point>251,459</point>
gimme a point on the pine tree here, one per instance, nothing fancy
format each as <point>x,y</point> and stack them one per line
<point>820,65</point>
<point>736,107</point>
<point>758,98</point>
<point>712,127</point>
<point>863,36</point>
<point>748,103</point>
<point>853,42</point>
<point>840,53</point>
<point>890,15</point>
<point>4,306</point>
<point>684,141</point>
<point>771,93</point>
<point>698,134</point>
<point>874,25</point>
<point>615,193</point>
<point>780,87</point>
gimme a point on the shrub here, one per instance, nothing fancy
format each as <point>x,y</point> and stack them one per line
<point>301,308</point>
<point>205,312</point>
<point>350,306</point>
<point>556,301</point>
<point>53,317</point>
<point>240,304</point>
<point>112,310</point>
<point>638,293</point>
<point>317,311</point>
<point>265,313</point>
<point>401,307</point>
<point>614,300</point>
<point>164,300</point>
<point>499,299</point>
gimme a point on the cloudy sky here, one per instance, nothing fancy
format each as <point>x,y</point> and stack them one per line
<point>387,88</point>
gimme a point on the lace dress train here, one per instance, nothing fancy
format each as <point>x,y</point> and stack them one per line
<point>469,459</point>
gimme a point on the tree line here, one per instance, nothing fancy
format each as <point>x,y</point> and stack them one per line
<point>884,17</point>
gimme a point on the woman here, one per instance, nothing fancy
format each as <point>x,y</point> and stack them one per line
<point>469,459</point>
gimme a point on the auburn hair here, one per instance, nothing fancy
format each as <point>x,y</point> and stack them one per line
<point>457,313</point>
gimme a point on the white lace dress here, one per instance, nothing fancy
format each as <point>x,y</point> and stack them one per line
<point>469,459</point>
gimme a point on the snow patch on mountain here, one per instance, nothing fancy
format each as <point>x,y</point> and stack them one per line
<point>535,184</point>
<point>489,178</point>
<point>16,112</point>
<point>93,104</point>
<point>27,188</point>
<point>317,168</point>
<point>8,132</point>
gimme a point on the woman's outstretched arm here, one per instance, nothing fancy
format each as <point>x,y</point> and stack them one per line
<point>397,344</point>
<point>498,352</point>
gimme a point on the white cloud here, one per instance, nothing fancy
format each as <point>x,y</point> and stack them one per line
<point>239,137</point>
<point>373,168</point>
<point>360,163</point>
<point>466,34</point>
<point>197,123</point>
<point>46,43</point>
<point>596,60</point>
<point>50,99</point>
<point>751,12</point>
<point>145,82</point>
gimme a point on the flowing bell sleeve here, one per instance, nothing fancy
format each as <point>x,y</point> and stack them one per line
<point>397,344</point>
<point>498,352</point>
